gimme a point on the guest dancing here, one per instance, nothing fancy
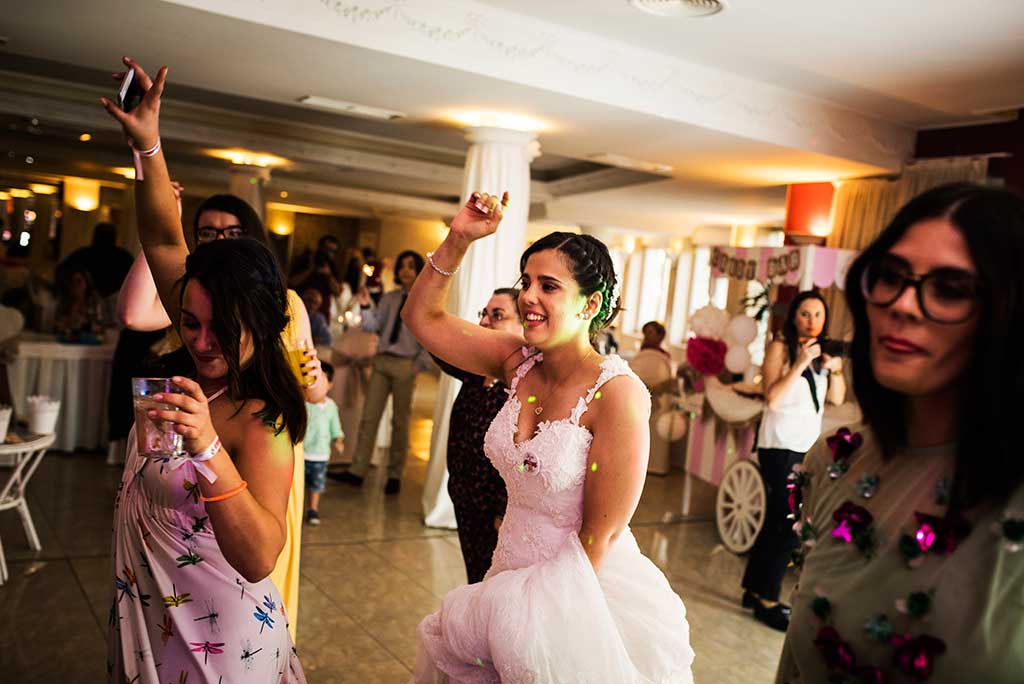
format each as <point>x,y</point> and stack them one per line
<point>798,380</point>
<point>227,217</point>
<point>569,597</point>
<point>916,572</point>
<point>195,537</point>
<point>474,484</point>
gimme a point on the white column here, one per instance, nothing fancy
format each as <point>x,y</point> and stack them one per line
<point>247,182</point>
<point>498,160</point>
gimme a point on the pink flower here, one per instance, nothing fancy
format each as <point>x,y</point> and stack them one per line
<point>838,654</point>
<point>843,443</point>
<point>915,656</point>
<point>706,355</point>
<point>853,520</point>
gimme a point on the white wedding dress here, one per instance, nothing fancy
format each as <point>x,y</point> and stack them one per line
<point>542,615</point>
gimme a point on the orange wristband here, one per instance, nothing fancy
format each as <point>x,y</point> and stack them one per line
<point>226,495</point>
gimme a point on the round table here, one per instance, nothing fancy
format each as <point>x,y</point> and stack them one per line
<point>76,374</point>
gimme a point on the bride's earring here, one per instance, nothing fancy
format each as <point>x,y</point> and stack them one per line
<point>583,315</point>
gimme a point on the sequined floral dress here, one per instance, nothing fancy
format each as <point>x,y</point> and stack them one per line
<point>542,615</point>
<point>180,612</point>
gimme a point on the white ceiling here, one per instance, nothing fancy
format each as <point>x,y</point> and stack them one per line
<point>819,81</point>
<point>917,62</point>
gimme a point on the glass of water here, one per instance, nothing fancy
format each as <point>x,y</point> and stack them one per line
<point>155,438</point>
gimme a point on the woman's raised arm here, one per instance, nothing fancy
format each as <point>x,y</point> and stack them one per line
<point>462,344</point>
<point>163,241</point>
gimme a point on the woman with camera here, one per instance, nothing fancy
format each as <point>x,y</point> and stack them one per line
<point>798,380</point>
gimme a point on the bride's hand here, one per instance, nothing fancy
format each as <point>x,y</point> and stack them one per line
<point>142,124</point>
<point>479,217</point>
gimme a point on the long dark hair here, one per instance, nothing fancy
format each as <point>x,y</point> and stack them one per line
<point>790,336</point>
<point>248,291</point>
<point>991,220</point>
<point>591,267</point>
<point>247,217</point>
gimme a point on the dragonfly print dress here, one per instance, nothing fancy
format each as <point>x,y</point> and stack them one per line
<point>542,615</point>
<point>181,613</point>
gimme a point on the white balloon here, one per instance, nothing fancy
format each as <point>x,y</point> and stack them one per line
<point>671,426</point>
<point>709,321</point>
<point>742,330</point>
<point>737,359</point>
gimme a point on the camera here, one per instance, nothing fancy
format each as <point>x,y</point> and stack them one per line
<point>834,347</point>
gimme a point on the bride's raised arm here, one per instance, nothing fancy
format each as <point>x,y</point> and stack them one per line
<point>458,342</point>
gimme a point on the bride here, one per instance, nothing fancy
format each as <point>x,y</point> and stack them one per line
<point>569,597</point>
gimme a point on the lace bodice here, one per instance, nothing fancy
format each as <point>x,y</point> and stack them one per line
<point>544,474</point>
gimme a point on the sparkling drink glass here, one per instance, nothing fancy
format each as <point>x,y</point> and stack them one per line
<point>297,357</point>
<point>155,438</point>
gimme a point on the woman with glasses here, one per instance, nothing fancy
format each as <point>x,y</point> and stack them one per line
<point>913,521</point>
<point>475,486</point>
<point>798,380</point>
<point>227,217</point>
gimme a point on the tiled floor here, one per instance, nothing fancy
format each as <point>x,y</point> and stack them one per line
<point>369,573</point>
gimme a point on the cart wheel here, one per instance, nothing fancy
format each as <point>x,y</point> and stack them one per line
<point>739,509</point>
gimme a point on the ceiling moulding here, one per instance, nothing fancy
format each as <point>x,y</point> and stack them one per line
<point>474,37</point>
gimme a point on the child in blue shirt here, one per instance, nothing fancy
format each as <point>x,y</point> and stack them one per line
<point>322,429</point>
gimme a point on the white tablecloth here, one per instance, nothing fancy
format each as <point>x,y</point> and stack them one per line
<point>77,374</point>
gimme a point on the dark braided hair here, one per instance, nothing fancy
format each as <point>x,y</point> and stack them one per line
<point>591,267</point>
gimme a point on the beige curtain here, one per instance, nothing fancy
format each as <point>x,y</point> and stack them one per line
<point>861,209</point>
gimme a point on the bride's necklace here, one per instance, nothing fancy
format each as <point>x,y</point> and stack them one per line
<point>532,399</point>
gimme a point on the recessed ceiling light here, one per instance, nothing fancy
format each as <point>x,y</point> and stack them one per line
<point>515,122</point>
<point>679,8</point>
<point>284,194</point>
<point>624,162</point>
<point>247,158</point>
<point>85,137</point>
<point>350,108</point>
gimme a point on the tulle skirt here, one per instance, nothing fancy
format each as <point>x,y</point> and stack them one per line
<point>558,622</point>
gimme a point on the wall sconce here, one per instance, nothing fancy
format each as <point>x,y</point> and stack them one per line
<point>41,189</point>
<point>629,244</point>
<point>82,194</point>
<point>821,227</point>
<point>281,222</point>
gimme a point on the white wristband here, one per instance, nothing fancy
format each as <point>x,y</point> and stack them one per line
<point>205,455</point>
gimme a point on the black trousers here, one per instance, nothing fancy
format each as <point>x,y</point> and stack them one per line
<point>770,555</point>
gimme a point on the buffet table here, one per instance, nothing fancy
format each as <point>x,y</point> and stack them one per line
<point>76,374</point>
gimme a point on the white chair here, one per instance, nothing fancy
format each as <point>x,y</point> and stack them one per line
<point>655,370</point>
<point>23,458</point>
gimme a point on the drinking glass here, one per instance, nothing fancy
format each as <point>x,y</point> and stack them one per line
<point>155,438</point>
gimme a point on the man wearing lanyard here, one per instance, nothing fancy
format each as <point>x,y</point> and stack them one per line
<point>399,358</point>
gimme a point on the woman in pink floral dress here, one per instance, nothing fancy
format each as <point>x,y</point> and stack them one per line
<point>196,536</point>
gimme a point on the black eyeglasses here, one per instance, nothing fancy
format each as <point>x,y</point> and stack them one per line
<point>207,233</point>
<point>492,316</point>
<point>945,295</point>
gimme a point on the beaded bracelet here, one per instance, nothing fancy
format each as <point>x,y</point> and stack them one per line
<point>226,495</point>
<point>446,274</point>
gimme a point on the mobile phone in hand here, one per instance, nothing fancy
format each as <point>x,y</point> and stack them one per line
<point>129,95</point>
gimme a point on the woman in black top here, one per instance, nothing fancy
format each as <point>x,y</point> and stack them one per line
<point>477,490</point>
